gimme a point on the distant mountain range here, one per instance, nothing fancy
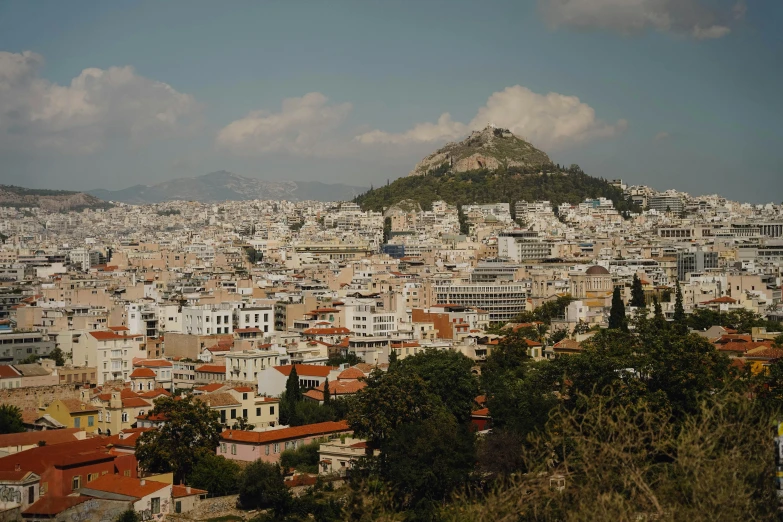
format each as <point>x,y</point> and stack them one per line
<point>227,186</point>
<point>53,200</point>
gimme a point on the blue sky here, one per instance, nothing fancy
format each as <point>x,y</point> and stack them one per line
<point>671,93</point>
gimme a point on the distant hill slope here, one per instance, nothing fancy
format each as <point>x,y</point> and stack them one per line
<point>53,200</point>
<point>227,186</point>
<point>517,171</point>
<point>491,149</point>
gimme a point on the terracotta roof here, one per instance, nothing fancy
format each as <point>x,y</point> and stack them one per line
<point>182,491</point>
<point>243,389</point>
<point>211,368</point>
<point>208,388</point>
<point>567,344</point>
<point>102,335</point>
<point>50,505</point>
<point>40,459</point>
<point>483,412</point>
<point>33,437</point>
<point>336,388</point>
<point>135,402</point>
<point>8,372</point>
<point>721,300</point>
<point>142,373</point>
<point>157,392</point>
<point>122,485</point>
<point>306,370</point>
<point>351,373</point>
<point>297,432</point>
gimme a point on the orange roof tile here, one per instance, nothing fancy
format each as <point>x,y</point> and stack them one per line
<point>211,368</point>
<point>297,432</point>
<point>128,486</point>
<point>308,370</point>
<point>142,373</point>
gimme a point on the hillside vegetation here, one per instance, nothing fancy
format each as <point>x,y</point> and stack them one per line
<point>52,200</point>
<point>558,185</point>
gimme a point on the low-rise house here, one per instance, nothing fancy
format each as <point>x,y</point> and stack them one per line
<point>10,377</point>
<point>271,380</point>
<point>75,507</point>
<point>210,373</point>
<point>151,499</point>
<point>186,498</point>
<point>11,443</point>
<point>336,456</point>
<point>36,375</point>
<point>248,446</point>
<point>73,413</point>
<point>19,489</point>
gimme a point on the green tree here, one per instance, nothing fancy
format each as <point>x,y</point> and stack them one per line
<point>303,458</point>
<point>448,375</point>
<point>242,425</point>
<point>617,320</point>
<point>191,428</point>
<point>327,393</point>
<point>679,309</point>
<point>637,293</point>
<point>11,419</point>
<point>262,486</point>
<point>659,320</point>
<point>429,460</point>
<point>215,474</point>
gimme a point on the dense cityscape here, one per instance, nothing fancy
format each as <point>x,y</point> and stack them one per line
<point>456,261</point>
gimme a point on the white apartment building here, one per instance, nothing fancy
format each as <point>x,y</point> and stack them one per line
<point>208,319</point>
<point>523,245</point>
<point>256,317</point>
<point>244,366</point>
<point>369,320</point>
<point>502,301</point>
<point>111,353</point>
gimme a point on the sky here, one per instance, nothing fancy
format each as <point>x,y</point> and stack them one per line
<point>682,94</point>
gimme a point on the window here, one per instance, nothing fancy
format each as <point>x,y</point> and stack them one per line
<point>76,482</point>
<point>233,449</point>
<point>100,416</point>
<point>124,417</point>
<point>155,507</point>
<point>266,450</point>
<point>222,447</point>
<point>223,416</point>
<point>77,422</point>
<point>244,413</point>
<point>233,413</point>
<point>178,506</point>
<point>277,447</point>
<point>258,412</point>
<point>244,398</point>
<point>271,410</point>
<point>126,473</point>
<point>90,421</point>
<point>91,477</point>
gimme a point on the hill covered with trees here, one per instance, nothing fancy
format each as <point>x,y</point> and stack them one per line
<point>503,185</point>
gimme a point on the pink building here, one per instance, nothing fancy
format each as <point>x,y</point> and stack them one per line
<point>249,446</point>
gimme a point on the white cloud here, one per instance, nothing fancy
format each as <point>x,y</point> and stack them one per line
<point>98,105</point>
<point>695,18</point>
<point>302,127</point>
<point>546,120</point>
<point>445,129</point>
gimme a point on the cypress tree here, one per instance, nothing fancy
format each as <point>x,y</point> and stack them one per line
<point>617,313</point>
<point>679,309</point>
<point>637,293</point>
<point>659,320</point>
<point>327,393</point>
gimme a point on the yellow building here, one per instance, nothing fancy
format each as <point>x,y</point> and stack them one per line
<point>72,413</point>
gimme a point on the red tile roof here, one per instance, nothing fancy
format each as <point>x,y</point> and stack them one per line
<point>128,486</point>
<point>154,363</point>
<point>41,458</point>
<point>208,388</point>
<point>142,373</point>
<point>157,392</point>
<point>182,491</point>
<point>326,331</point>
<point>351,373</point>
<point>34,437</point>
<point>8,372</point>
<point>348,387</point>
<point>77,406</point>
<point>297,432</point>
<point>135,402</point>
<point>102,335</point>
<point>211,368</point>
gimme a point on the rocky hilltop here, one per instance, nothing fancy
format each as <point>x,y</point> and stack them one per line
<point>52,200</point>
<point>227,186</point>
<point>489,149</point>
